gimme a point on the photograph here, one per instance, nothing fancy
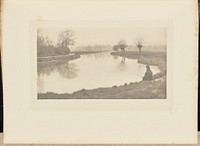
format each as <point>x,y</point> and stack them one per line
<point>101,62</point>
<point>100,72</point>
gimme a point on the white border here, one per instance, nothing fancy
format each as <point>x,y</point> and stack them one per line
<point>24,125</point>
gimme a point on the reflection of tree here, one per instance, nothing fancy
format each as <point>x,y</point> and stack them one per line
<point>123,60</point>
<point>122,66</point>
<point>44,69</point>
<point>65,69</point>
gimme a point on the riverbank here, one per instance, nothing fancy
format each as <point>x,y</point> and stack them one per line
<point>87,52</point>
<point>69,57</point>
<point>155,89</point>
<point>147,58</point>
<point>138,90</point>
<point>47,59</point>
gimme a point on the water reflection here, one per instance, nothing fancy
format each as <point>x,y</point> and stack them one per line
<point>89,72</point>
<point>65,69</point>
<point>123,60</point>
<point>68,70</point>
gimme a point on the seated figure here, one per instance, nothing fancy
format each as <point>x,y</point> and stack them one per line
<point>148,74</point>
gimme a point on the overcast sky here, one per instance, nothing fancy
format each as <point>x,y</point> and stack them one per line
<point>111,35</point>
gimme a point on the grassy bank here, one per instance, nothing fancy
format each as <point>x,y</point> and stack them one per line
<point>155,89</point>
<point>147,58</point>
<point>138,90</point>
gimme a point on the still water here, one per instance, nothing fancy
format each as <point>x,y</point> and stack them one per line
<point>89,72</point>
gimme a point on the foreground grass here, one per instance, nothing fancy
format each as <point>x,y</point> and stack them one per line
<point>138,90</point>
<point>155,89</point>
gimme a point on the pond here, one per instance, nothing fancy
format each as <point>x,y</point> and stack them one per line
<point>90,71</point>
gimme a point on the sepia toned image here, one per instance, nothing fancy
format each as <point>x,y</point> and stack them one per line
<point>97,72</point>
<point>101,62</point>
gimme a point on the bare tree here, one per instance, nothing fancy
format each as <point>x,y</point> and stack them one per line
<point>122,45</point>
<point>45,46</point>
<point>115,47</point>
<point>139,44</point>
<point>65,40</point>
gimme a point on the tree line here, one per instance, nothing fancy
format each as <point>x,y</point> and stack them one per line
<point>122,45</point>
<point>45,46</point>
<point>66,39</point>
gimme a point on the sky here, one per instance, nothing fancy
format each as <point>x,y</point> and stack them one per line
<point>111,35</point>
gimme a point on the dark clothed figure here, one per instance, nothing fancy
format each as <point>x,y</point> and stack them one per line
<point>148,74</point>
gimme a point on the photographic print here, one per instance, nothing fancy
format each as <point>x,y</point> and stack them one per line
<point>101,62</point>
<point>100,72</point>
